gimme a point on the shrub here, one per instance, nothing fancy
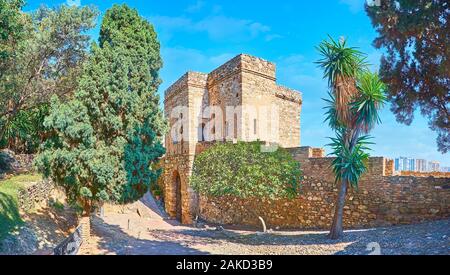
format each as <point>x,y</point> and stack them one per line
<point>242,170</point>
<point>155,189</point>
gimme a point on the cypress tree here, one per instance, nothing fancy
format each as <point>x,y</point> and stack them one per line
<point>108,136</point>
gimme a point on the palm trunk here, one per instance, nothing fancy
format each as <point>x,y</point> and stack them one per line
<point>337,230</point>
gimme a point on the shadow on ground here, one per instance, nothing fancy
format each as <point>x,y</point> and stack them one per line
<point>9,215</point>
<point>111,239</point>
<point>427,238</point>
<point>28,233</point>
<point>153,234</point>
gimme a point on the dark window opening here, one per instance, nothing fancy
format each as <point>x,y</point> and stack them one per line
<point>201,132</point>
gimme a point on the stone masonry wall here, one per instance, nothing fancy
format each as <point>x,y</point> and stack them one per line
<point>382,197</point>
<point>35,194</point>
<point>426,174</point>
<point>242,82</point>
<point>179,166</point>
<point>11,163</point>
<point>380,200</point>
<point>289,104</point>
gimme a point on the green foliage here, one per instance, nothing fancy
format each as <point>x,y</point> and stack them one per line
<point>122,26</point>
<point>155,189</point>
<point>11,29</point>
<point>414,36</point>
<point>59,206</point>
<point>45,61</point>
<point>338,60</point>
<point>356,95</point>
<point>369,100</point>
<point>362,106</point>
<point>106,138</point>
<point>242,170</point>
<point>331,113</point>
<point>350,163</point>
<point>24,132</point>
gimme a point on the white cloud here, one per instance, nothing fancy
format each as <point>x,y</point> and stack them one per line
<point>217,27</point>
<point>221,27</point>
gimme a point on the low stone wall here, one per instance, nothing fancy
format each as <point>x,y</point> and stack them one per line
<point>380,200</point>
<point>11,163</point>
<point>25,161</point>
<point>426,174</point>
<point>35,194</point>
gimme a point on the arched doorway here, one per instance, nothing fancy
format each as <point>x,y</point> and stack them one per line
<point>178,202</point>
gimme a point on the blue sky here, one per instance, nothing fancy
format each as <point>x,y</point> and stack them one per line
<point>200,35</point>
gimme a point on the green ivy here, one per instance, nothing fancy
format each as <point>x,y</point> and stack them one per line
<point>243,170</point>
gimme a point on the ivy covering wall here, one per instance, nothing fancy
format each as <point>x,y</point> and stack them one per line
<point>246,170</point>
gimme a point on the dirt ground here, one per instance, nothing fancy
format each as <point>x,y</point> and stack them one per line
<point>141,229</point>
<point>43,229</point>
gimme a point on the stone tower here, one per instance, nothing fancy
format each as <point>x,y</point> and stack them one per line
<point>239,100</point>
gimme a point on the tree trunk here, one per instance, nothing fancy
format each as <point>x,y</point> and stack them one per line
<point>3,130</point>
<point>337,229</point>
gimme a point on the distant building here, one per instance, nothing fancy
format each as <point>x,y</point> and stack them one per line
<point>418,165</point>
<point>434,166</point>
<point>412,164</point>
<point>421,165</point>
<point>405,164</point>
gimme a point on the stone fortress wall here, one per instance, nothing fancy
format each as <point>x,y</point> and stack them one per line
<point>383,198</point>
<point>243,82</point>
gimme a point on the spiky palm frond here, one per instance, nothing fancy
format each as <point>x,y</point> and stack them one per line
<point>370,99</point>
<point>341,64</point>
<point>331,113</point>
<point>338,60</point>
<point>23,132</point>
<point>349,164</point>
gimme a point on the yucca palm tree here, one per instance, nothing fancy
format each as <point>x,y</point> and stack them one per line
<point>356,96</point>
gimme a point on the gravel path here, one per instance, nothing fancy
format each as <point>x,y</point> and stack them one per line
<point>148,233</point>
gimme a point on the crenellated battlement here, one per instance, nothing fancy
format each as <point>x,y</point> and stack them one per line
<point>384,197</point>
<point>243,83</point>
<point>189,79</point>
